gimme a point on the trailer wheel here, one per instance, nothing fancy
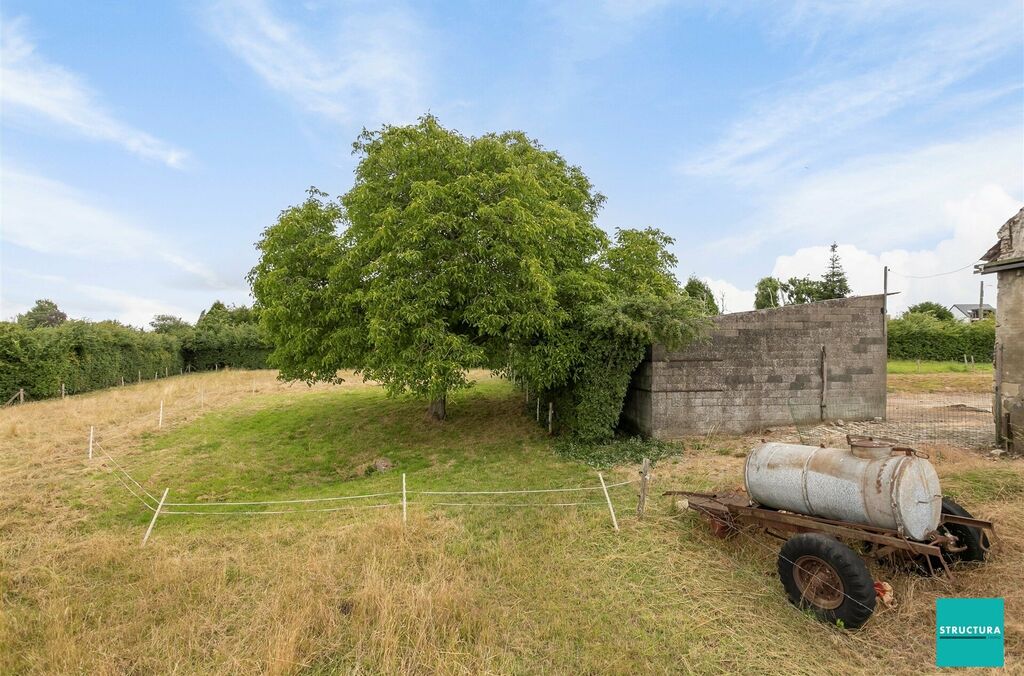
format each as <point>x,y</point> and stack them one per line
<point>974,539</point>
<point>825,576</point>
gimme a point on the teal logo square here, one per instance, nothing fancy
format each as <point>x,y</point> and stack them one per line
<point>969,632</point>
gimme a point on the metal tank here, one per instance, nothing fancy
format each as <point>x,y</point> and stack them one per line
<point>870,483</point>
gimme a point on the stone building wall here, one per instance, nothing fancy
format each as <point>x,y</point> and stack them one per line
<point>1010,355</point>
<point>764,368</point>
<point>1008,407</point>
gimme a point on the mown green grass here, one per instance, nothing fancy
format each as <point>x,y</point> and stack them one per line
<point>325,445</point>
<point>912,366</point>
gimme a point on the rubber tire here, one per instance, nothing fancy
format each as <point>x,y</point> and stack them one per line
<point>858,586</point>
<point>972,538</point>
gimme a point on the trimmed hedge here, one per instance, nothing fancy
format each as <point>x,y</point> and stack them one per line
<point>922,336</point>
<point>89,356</point>
<point>83,355</point>
<point>219,345</point>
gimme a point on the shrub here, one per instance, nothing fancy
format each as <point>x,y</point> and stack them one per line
<point>922,336</point>
<point>83,355</point>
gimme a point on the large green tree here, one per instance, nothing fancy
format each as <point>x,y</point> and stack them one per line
<point>450,253</point>
<point>451,249</point>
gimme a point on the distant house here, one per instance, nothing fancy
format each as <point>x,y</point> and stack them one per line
<point>967,312</point>
<point>1006,260</point>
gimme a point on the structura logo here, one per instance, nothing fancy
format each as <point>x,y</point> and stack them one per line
<point>969,632</point>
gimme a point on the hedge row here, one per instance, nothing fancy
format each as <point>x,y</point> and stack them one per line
<point>92,355</point>
<point>235,345</point>
<point>919,336</point>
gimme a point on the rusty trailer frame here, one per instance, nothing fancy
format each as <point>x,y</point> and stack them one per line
<point>727,512</point>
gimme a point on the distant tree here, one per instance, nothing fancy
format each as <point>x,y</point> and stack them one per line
<point>44,313</point>
<point>700,291</point>
<point>797,290</point>
<point>834,283</point>
<point>170,324</point>
<point>220,313</point>
<point>931,308</point>
<point>768,294</point>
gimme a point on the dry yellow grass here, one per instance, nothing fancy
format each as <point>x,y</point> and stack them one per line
<point>451,592</point>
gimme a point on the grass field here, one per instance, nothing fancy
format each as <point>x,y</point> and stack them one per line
<point>912,366</point>
<point>454,590</point>
<point>938,376</point>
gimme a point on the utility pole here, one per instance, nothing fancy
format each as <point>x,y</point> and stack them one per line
<point>981,300</point>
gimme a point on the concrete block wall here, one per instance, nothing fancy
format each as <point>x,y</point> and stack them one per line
<point>764,368</point>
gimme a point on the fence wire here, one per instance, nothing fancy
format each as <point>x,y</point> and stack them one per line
<point>962,419</point>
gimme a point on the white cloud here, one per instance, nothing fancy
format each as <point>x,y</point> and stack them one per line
<point>369,71</point>
<point>125,307</point>
<point>917,274</point>
<point>888,200</point>
<point>50,217</point>
<point>801,119</point>
<point>31,88</point>
<point>730,297</point>
<point>91,301</point>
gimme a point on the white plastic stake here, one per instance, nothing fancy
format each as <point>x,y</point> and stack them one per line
<point>161,422</point>
<point>155,514</point>
<point>403,498</point>
<point>615,522</point>
<point>92,429</point>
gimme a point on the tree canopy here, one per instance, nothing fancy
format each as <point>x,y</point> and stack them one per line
<point>451,253</point>
<point>44,313</point>
<point>700,291</point>
<point>768,293</point>
<point>931,308</point>
<point>834,283</point>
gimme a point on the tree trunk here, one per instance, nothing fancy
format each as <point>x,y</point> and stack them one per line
<point>437,409</point>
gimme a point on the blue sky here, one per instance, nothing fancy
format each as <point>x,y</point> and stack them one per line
<point>145,145</point>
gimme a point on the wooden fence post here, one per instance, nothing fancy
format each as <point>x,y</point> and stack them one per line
<point>122,381</point>
<point>62,391</point>
<point>155,514</point>
<point>615,522</point>
<point>645,475</point>
<point>551,416</point>
<point>824,381</point>
<point>140,376</point>
<point>21,395</point>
